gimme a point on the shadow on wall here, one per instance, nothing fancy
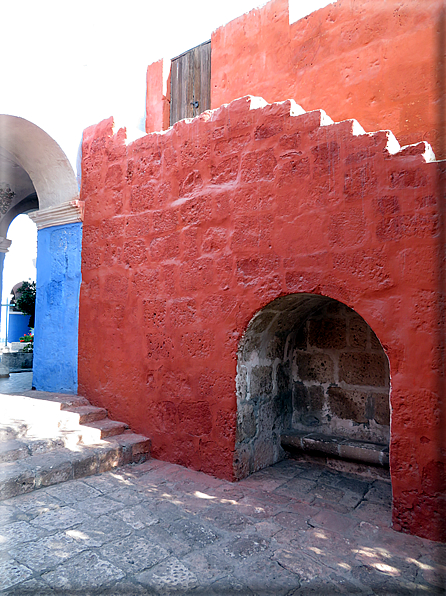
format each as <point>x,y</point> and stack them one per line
<point>308,364</point>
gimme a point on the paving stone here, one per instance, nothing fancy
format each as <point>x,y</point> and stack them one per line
<point>291,520</point>
<point>209,565</point>
<point>310,471</point>
<point>255,510</point>
<point>12,573</point>
<point>225,518</point>
<point>350,499</point>
<point>374,513</point>
<point>71,492</point>
<point>267,529</point>
<point>263,482</point>
<point>266,577</point>
<point>98,531</point>
<point>328,493</point>
<point>133,554</point>
<point>380,492</point>
<point>85,572</point>
<point>298,488</point>
<point>331,506</point>
<point>127,496</point>
<point>433,572</point>
<point>32,587</point>
<point>288,538</point>
<point>137,517</point>
<point>252,544</point>
<point>349,483</point>
<point>195,533</point>
<point>110,481</point>
<point>229,493</point>
<point>47,552</point>
<point>332,521</point>
<point>306,568</point>
<point>34,502</point>
<point>125,588</point>
<point>227,586</point>
<point>379,582</point>
<point>246,546</point>
<point>159,534</point>
<point>96,506</point>
<point>333,585</point>
<point>18,533</point>
<point>168,576</point>
<point>64,517</point>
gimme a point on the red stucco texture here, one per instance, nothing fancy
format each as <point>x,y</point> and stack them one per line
<point>187,234</point>
<point>381,62</point>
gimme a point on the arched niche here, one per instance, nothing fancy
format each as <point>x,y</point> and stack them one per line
<point>311,373</point>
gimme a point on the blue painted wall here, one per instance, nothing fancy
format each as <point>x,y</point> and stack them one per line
<point>3,311</point>
<point>55,366</point>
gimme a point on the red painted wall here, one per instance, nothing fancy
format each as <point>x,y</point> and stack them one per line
<point>158,89</point>
<point>187,234</point>
<point>381,62</point>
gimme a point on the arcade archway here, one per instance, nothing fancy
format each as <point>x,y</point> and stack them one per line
<point>37,179</point>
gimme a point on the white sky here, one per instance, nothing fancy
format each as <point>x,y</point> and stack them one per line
<point>66,66</point>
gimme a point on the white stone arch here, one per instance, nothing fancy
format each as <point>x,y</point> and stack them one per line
<point>59,223</point>
<point>43,159</point>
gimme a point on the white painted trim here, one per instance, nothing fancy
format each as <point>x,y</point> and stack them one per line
<point>66,213</point>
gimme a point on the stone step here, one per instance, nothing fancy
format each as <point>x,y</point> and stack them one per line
<point>62,464</point>
<point>336,446</point>
<point>49,438</point>
<point>12,450</point>
<point>74,416</point>
<point>101,429</point>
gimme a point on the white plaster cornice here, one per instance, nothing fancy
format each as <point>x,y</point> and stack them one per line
<point>4,244</point>
<point>66,213</point>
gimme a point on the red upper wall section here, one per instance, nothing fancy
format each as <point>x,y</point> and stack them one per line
<point>380,62</point>
<point>187,234</point>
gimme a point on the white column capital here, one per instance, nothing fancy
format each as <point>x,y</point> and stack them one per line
<point>4,244</point>
<point>66,213</point>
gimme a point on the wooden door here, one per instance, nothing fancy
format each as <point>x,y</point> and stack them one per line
<point>191,83</point>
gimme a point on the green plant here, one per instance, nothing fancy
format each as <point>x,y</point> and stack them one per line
<point>26,300</point>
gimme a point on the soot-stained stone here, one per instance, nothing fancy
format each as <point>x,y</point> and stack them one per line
<point>315,367</point>
<point>348,405</point>
<point>357,332</point>
<point>381,408</point>
<point>327,333</point>
<point>261,381</point>
<point>363,369</point>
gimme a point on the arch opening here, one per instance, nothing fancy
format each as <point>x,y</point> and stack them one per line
<point>311,376</point>
<point>37,179</point>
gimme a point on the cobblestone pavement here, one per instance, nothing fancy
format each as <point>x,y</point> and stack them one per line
<point>157,528</point>
<point>17,382</point>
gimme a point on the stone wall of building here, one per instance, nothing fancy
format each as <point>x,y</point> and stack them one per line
<point>188,234</point>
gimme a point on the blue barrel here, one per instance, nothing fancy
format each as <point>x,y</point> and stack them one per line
<point>17,326</point>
